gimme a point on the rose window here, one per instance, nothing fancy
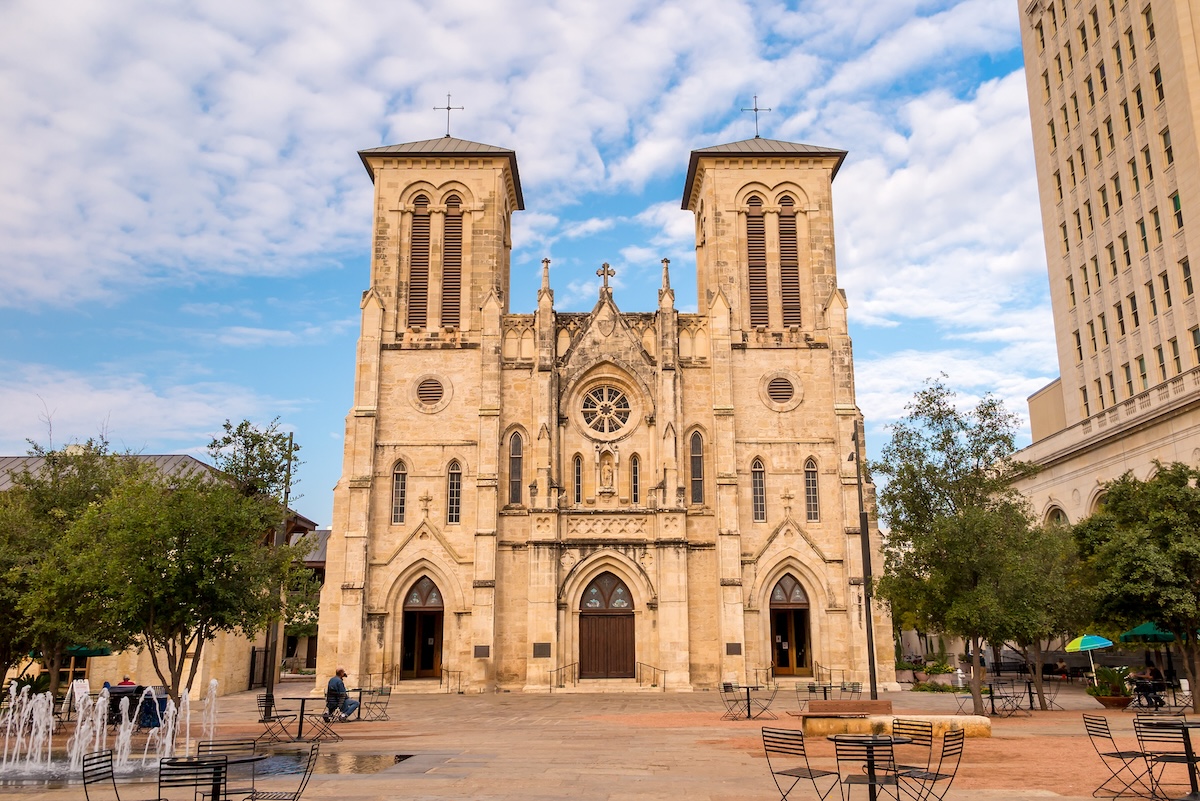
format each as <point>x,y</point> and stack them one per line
<point>605,409</point>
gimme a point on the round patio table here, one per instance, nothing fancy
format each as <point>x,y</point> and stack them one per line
<point>1188,750</point>
<point>872,741</point>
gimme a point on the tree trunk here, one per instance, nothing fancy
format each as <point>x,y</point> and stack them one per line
<point>1039,658</point>
<point>52,656</point>
<point>976,676</point>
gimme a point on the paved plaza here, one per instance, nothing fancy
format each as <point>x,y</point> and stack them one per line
<point>638,745</point>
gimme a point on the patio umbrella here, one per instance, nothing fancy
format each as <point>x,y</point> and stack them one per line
<point>1089,643</point>
<point>1147,632</point>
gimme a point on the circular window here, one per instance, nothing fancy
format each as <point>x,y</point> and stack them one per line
<point>781,391</point>
<point>605,409</point>
<point>429,393</point>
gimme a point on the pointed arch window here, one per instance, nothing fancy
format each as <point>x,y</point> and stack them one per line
<point>758,490</point>
<point>452,263</point>
<point>788,593</point>
<point>418,264</point>
<point>577,478</point>
<point>789,263</point>
<point>454,494</point>
<point>399,491</point>
<point>635,480</point>
<point>424,595</point>
<point>606,592</point>
<point>516,455</point>
<point>756,262</point>
<point>812,501</point>
<point>697,468</point>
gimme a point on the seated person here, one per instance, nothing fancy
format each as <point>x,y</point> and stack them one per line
<point>126,682</point>
<point>336,697</point>
<point>1147,684</point>
<point>1061,668</point>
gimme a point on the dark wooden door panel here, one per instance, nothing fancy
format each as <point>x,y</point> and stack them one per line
<point>606,646</point>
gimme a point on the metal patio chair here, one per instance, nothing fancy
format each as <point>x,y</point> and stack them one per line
<point>274,723</point>
<point>919,753</point>
<point>760,707</point>
<point>788,762</point>
<point>734,698</point>
<point>99,783</point>
<point>865,763</point>
<point>926,781</point>
<point>1127,767</point>
<point>200,776</point>
<point>291,795</point>
<point>1162,742</point>
<point>375,705</point>
<point>242,776</point>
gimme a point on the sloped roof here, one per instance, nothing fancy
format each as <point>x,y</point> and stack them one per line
<point>170,463</point>
<point>446,145</point>
<point>758,147</point>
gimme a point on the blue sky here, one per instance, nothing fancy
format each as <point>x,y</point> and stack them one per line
<point>184,221</point>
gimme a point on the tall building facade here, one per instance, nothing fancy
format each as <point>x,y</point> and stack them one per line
<point>1114,97</point>
<point>529,499</point>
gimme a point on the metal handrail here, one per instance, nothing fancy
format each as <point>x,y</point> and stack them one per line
<point>824,675</point>
<point>768,674</point>
<point>560,676</point>
<point>653,676</point>
<point>451,679</point>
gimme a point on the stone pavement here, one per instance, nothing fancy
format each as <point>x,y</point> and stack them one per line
<point>642,745</point>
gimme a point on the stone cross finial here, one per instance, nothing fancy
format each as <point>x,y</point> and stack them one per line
<point>666,278</point>
<point>545,273</point>
<point>786,497</point>
<point>425,500</point>
<point>605,272</point>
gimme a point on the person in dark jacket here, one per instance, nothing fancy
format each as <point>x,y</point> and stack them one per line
<point>336,697</point>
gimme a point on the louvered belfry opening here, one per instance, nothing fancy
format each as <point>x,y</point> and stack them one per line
<point>789,263</point>
<point>452,263</point>
<point>756,260</point>
<point>418,270</point>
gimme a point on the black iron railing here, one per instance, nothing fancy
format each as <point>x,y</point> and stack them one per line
<point>764,676</point>
<point>559,677</point>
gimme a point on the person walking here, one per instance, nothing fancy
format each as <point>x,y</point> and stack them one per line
<point>337,699</point>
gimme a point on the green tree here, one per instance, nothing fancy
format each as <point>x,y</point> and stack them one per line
<point>1049,595</point>
<point>46,498</point>
<point>1143,551</point>
<point>175,559</point>
<point>951,555</point>
<point>262,460</point>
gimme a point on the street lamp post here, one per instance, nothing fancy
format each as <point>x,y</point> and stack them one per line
<point>865,536</point>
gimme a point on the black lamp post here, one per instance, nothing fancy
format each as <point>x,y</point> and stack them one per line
<point>865,535</point>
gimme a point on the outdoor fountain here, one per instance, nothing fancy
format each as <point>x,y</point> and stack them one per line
<point>27,727</point>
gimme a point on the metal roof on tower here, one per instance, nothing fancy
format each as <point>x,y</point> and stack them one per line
<point>758,147</point>
<point>446,146</point>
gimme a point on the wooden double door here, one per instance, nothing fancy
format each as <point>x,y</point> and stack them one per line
<point>607,646</point>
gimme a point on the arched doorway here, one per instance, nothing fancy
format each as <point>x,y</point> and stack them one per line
<point>606,641</point>
<point>789,628</point>
<point>421,629</point>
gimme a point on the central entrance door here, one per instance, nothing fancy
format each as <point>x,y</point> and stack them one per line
<point>789,629</point>
<point>421,629</point>
<point>606,635</point>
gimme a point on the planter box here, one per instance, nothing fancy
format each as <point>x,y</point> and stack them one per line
<point>945,679</point>
<point>1113,701</point>
<point>905,676</point>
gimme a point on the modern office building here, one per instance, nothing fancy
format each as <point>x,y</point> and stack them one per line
<point>1114,96</point>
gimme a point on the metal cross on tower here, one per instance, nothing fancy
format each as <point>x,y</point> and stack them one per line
<point>605,272</point>
<point>448,108</point>
<point>756,109</point>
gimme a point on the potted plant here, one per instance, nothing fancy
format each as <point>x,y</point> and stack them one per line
<point>939,672</point>
<point>904,671</point>
<point>1110,688</point>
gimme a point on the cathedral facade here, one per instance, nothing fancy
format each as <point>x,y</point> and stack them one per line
<point>609,497</point>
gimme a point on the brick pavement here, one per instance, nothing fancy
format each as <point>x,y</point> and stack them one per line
<point>644,745</point>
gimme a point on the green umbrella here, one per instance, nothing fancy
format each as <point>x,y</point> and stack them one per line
<point>1147,632</point>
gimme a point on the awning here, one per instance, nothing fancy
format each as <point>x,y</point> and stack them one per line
<point>88,650</point>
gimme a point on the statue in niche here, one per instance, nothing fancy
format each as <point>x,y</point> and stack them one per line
<point>606,473</point>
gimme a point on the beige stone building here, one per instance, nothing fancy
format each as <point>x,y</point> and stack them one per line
<point>561,497</point>
<point>1114,96</point>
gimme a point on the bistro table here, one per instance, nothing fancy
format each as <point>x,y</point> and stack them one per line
<point>220,777</point>
<point>748,688</point>
<point>303,699</point>
<point>871,741</point>
<point>1188,750</point>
